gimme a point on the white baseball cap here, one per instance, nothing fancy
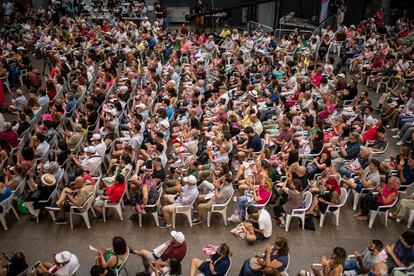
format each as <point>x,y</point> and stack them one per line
<point>178,236</point>
<point>90,149</point>
<point>96,136</point>
<point>341,75</point>
<point>63,257</point>
<point>190,179</point>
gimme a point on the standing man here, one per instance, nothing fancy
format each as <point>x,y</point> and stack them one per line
<point>199,8</point>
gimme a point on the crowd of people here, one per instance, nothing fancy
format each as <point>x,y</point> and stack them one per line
<point>176,121</point>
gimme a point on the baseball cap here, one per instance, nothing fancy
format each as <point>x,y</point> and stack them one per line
<point>190,179</point>
<point>178,236</point>
<point>63,257</point>
<point>90,149</point>
<point>96,136</point>
<point>341,75</point>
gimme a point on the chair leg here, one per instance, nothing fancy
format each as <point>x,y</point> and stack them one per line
<point>93,212</point>
<point>189,217</point>
<point>173,219</point>
<point>119,210</point>
<point>209,218</point>
<point>3,222</point>
<point>71,220</point>
<point>157,221</point>
<point>410,219</point>
<point>322,219</point>
<point>356,200</point>
<point>224,214</point>
<point>288,218</point>
<point>386,217</point>
<point>372,217</point>
<point>337,217</point>
<point>86,219</point>
<point>104,213</point>
<point>140,219</point>
<point>302,218</point>
<point>15,213</point>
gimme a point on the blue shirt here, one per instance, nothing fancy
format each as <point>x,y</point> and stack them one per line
<point>5,195</point>
<point>405,255</point>
<point>70,105</point>
<point>220,267</point>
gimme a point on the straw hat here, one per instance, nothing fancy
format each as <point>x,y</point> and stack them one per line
<point>48,179</point>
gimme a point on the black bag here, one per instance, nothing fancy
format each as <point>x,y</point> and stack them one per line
<point>309,225</point>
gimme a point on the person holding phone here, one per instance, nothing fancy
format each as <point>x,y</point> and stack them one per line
<point>64,264</point>
<point>218,264</point>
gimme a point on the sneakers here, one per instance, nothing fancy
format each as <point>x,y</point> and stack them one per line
<point>396,136</point>
<point>164,225</point>
<point>400,143</point>
<point>197,221</point>
<point>395,129</point>
<point>234,218</point>
<point>61,221</point>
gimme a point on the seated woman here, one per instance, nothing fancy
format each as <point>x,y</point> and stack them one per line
<point>319,164</point>
<point>386,196</point>
<point>257,194</point>
<point>333,266</point>
<point>146,194</point>
<point>172,267</point>
<point>218,264</point>
<point>331,195</point>
<point>293,189</point>
<point>41,192</point>
<point>16,264</point>
<point>275,257</point>
<point>115,256</point>
<point>26,159</point>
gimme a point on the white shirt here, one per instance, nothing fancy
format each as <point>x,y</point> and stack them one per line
<point>90,163</point>
<point>101,149</point>
<point>69,268</point>
<point>265,223</point>
<point>42,148</point>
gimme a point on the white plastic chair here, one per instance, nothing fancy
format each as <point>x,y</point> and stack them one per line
<point>220,209</point>
<point>300,213</point>
<point>380,210</point>
<point>118,206</point>
<point>74,210</point>
<point>7,206</point>
<point>186,210</point>
<point>155,213</point>
<point>357,195</point>
<point>344,197</point>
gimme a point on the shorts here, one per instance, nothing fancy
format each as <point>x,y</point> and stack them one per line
<point>260,236</point>
<point>173,205</point>
<point>206,206</point>
<point>359,185</point>
<point>99,202</point>
<point>66,206</point>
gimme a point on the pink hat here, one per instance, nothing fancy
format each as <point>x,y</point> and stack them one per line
<point>47,117</point>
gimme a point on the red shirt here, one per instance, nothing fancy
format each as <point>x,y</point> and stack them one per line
<point>175,251</point>
<point>88,177</point>
<point>370,134</point>
<point>264,194</point>
<point>11,137</point>
<point>115,191</point>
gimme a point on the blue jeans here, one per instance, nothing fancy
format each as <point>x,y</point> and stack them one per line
<point>344,171</point>
<point>352,264</point>
<point>241,206</point>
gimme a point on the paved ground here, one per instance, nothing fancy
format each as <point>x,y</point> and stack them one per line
<point>39,241</point>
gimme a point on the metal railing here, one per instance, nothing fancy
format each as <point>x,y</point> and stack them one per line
<point>252,26</point>
<point>279,33</point>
